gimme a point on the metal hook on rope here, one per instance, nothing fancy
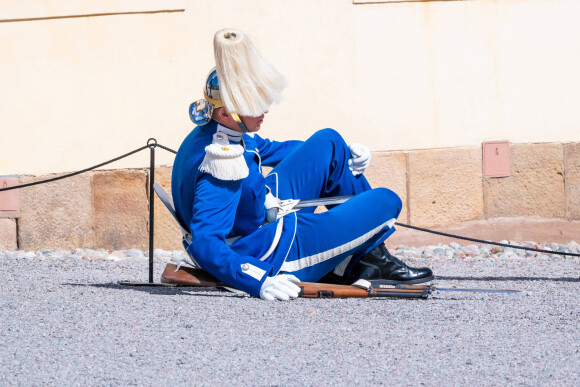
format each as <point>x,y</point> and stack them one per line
<point>152,143</point>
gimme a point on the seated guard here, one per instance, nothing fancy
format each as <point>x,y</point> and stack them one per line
<point>220,193</point>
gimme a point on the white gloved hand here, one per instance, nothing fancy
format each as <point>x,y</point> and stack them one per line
<point>280,287</point>
<point>360,158</point>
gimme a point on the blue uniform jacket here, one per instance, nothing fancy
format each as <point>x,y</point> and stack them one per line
<point>216,210</point>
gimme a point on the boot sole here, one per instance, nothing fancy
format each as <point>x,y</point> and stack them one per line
<point>379,283</point>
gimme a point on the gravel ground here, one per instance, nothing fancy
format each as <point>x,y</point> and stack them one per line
<point>64,320</point>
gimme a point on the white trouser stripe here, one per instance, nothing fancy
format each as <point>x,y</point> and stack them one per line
<point>312,260</point>
<point>340,269</point>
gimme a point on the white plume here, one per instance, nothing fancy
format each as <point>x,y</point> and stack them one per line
<point>248,84</point>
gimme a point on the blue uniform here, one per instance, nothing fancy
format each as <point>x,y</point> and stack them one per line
<point>226,217</point>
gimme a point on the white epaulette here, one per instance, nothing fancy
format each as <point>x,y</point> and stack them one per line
<point>223,160</point>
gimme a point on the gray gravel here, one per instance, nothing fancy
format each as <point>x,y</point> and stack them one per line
<point>64,320</point>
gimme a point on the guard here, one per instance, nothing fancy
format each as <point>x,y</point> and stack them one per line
<point>221,194</point>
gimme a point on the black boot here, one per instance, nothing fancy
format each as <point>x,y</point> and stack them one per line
<point>379,267</point>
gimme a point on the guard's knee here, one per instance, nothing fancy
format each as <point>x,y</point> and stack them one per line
<point>388,202</point>
<point>328,135</point>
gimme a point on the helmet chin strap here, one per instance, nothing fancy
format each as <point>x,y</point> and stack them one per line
<point>239,121</point>
<point>217,104</point>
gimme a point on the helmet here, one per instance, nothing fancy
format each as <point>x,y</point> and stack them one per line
<point>200,111</point>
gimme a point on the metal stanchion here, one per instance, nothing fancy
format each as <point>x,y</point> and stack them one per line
<point>151,144</point>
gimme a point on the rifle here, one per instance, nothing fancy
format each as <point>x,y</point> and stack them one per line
<point>187,276</point>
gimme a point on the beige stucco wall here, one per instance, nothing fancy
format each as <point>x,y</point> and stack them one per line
<point>395,76</point>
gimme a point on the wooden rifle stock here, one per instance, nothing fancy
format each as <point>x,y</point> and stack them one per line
<point>187,276</point>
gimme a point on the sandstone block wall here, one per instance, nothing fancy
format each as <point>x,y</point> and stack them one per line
<point>8,235</point>
<point>441,189</point>
<point>535,187</point>
<point>444,186</point>
<point>57,214</point>
<point>120,209</point>
<point>572,180</point>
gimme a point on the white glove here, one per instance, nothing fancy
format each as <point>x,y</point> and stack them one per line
<point>360,160</point>
<point>280,287</point>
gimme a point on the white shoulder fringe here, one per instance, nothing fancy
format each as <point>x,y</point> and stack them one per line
<point>223,160</point>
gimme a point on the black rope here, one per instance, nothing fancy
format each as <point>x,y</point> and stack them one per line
<point>152,143</point>
<point>167,149</point>
<point>484,241</point>
<point>149,145</point>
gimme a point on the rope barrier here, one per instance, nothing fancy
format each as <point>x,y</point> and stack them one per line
<point>74,173</point>
<point>484,241</point>
<point>152,144</point>
<point>167,149</point>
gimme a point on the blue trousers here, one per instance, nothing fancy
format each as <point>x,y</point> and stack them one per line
<point>338,238</point>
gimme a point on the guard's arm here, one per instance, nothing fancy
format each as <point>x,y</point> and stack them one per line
<point>214,211</point>
<point>272,152</point>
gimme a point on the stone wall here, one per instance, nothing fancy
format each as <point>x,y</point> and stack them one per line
<point>442,189</point>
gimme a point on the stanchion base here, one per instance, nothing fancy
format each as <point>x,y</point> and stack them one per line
<point>137,283</point>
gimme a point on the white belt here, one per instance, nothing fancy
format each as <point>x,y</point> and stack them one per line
<point>275,241</point>
<point>276,208</point>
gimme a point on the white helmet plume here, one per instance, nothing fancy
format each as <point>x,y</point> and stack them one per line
<point>248,84</point>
